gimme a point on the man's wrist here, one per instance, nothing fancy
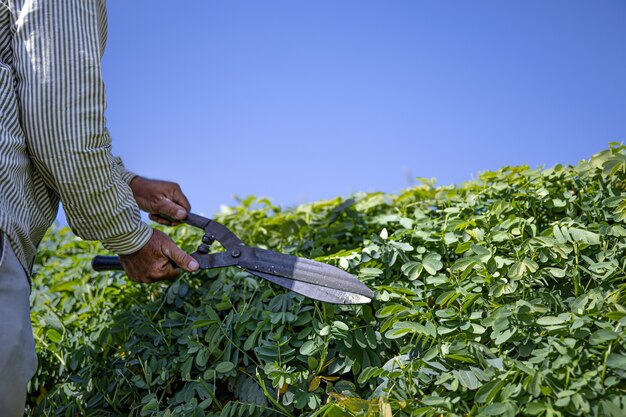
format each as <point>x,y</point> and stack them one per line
<point>135,182</point>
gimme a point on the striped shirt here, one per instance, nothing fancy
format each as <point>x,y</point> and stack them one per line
<point>54,144</point>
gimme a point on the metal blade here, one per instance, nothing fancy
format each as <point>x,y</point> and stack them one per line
<point>303,270</point>
<point>315,292</point>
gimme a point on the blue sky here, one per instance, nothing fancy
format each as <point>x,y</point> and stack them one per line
<point>307,100</point>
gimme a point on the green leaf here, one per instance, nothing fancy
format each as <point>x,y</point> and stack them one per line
<point>391,310</point>
<point>406,222</point>
<point>467,379</point>
<point>402,246</point>
<point>581,235</point>
<point>202,357</point>
<point>535,384</point>
<point>517,270</point>
<point>251,340</point>
<point>558,235</point>
<point>396,333</point>
<point>53,335</point>
<point>412,270</point>
<point>616,315</point>
<point>151,406</point>
<point>308,348</point>
<point>460,358</point>
<point>341,326</point>
<point>617,361</point>
<point>536,408</point>
<point>530,265</point>
<point>550,321</point>
<point>224,367</point>
<point>359,337</point>
<point>202,323</point>
<point>434,401</point>
<point>495,409</point>
<point>487,393</point>
<point>602,336</point>
<point>504,336</point>
<point>432,263</point>
<point>556,272</point>
<point>463,247</point>
<point>481,251</point>
<point>370,272</point>
<point>463,263</point>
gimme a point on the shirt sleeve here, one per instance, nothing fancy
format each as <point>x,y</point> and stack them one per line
<point>126,175</point>
<point>57,48</point>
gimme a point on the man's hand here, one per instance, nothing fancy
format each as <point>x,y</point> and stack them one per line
<point>159,259</point>
<point>160,197</point>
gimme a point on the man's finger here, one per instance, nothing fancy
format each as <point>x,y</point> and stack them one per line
<point>181,258</point>
<point>161,220</point>
<point>180,198</point>
<point>171,209</point>
<point>168,272</point>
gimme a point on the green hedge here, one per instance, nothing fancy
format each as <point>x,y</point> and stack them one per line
<point>500,296</point>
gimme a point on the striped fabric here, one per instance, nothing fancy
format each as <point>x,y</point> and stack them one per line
<point>54,144</point>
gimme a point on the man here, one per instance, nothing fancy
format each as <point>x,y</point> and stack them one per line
<point>54,145</point>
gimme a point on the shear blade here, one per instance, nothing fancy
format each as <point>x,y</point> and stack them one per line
<point>304,271</point>
<point>316,292</point>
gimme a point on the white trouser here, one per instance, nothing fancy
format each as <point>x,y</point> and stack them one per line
<point>18,359</point>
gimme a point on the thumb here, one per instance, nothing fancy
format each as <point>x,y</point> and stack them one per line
<point>172,210</point>
<point>180,257</point>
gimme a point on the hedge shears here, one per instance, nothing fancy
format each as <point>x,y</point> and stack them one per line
<point>312,279</point>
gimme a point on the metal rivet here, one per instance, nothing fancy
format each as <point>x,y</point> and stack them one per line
<point>203,248</point>
<point>236,253</point>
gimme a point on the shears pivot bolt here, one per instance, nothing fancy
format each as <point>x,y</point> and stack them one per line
<point>204,248</point>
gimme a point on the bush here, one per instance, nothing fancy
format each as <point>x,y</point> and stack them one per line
<point>501,296</point>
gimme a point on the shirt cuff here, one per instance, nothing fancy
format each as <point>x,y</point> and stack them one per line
<point>126,175</point>
<point>131,242</point>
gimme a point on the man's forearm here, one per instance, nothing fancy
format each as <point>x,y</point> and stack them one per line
<point>57,51</point>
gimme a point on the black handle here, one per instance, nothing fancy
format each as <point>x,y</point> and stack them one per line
<point>192,219</point>
<point>112,263</point>
<point>106,263</point>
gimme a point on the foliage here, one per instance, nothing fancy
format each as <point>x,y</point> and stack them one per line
<point>502,296</point>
